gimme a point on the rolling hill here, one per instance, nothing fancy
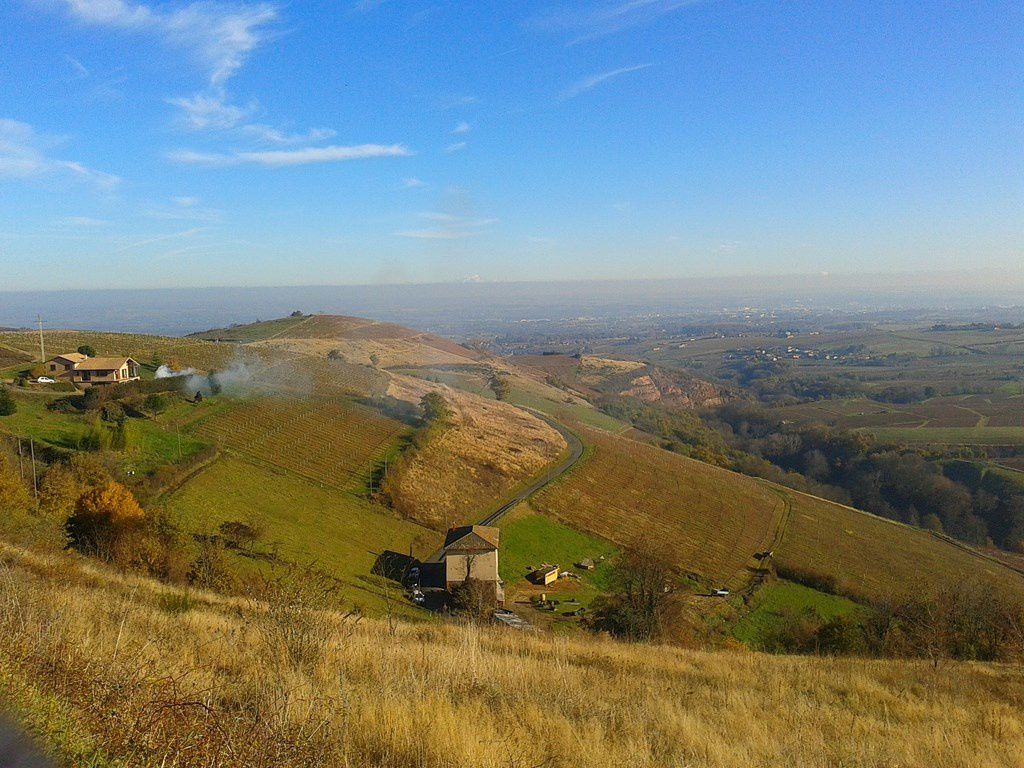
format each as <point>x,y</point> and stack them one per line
<point>715,520</point>
<point>293,423</point>
<point>353,339</point>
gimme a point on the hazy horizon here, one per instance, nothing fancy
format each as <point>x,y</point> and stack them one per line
<point>463,309</point>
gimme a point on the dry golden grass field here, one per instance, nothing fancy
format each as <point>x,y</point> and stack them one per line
<point>109,670</point>
<point>715,520</point>
<point>358,340</point>
<point>487,450</point>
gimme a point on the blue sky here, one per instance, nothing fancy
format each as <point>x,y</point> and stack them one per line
<point>147,143</point>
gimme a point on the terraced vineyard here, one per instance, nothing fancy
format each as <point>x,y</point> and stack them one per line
<point>628,492</point>
<point>715,520</point>
<point>331,442</point>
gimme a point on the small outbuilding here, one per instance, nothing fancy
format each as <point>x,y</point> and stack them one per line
<point>544,575</point>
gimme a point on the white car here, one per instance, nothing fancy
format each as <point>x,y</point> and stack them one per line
<point>720,592</point>
<point>45,380</point>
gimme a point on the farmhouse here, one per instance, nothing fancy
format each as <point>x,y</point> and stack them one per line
<point>79,369</point>
<point>469,551</point>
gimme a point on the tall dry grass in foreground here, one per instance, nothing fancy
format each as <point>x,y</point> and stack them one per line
<point>125,671</point>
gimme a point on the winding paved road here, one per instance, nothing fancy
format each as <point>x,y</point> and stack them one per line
<point>553,473</point>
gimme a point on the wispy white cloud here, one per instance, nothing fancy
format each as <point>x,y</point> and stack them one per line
<point>458,146</point>
<point>589,83</point>
<point>455,220</point>
<point>184,208</point>
<point>269,135</point>
<point>206,111</point>
<point>77,67</point>
<point>284,158</point>
<point>608,18</point>
<point>448,227</point>
<point>435,234</point>
<point>412,182</point>
<point>219,36</point>
<point>365,6</point>
<point>162,238</point>
<point>24,154</point>
<point>82,222</point>
<point>462,127</point>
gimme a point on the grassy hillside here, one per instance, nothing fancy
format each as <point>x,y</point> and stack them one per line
<point>778,600</point>
<point>873,557</point>
<point>120,671</point>
<point>715,520</point>
<point>356,340</point>
<point>306,523</point>
<point>631,493</point>
<point>247,332</point>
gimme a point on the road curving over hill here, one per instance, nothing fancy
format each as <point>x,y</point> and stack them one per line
<point>549,475</point>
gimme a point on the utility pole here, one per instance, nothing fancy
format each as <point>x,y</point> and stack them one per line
<point>35,484</point>
<point>42,349</point>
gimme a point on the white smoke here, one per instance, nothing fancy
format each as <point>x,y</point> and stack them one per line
<point>237,379</point>
<point>166,372</point>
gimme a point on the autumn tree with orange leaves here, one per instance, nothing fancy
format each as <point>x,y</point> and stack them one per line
<point>104,516</point>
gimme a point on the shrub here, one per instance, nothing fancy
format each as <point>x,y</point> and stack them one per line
<point>103,517</point>
<point>87,350</point>
<point>474,599</point>
<point>155,403</point>
<point>95,437</point>
<point>241,535</point>
<point>292,617</point>
<point>7,405</point>
<point>639,604</point>
<point>176,603</point>
<point>66,480</point>
<point>14,496</point>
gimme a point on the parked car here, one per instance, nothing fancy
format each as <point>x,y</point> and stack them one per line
<point>720,592</point>
<point>45,380</point>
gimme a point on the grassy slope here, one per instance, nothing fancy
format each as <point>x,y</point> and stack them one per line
<point>874,557</point>
<point>251,331</point>
<point>340,532</point>
<point>527,540</point>
<point>150,442</point>
<point>715,520</point>
<point>775,599</point>
<point>627,492</point>
<point>107,671</point>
